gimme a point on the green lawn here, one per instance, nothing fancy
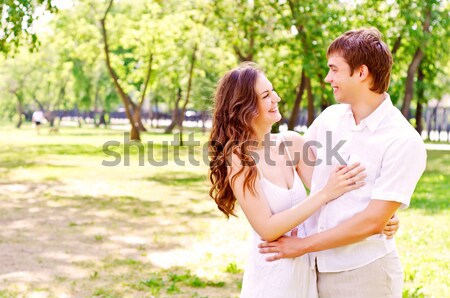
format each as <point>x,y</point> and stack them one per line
<point>72,226</point>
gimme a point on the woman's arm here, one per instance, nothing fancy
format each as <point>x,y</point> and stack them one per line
<point>272,226</point>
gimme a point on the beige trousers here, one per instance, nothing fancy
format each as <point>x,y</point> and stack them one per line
<point>379,279</point>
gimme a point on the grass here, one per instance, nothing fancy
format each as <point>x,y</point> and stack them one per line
<point>79,228</point>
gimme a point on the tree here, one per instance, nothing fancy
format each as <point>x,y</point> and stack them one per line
<point>134,134</point>
<point>16,22</point>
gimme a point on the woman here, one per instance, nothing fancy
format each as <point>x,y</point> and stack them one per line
<point>256,168</point>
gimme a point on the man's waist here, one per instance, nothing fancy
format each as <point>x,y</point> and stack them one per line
<point>355,255</point>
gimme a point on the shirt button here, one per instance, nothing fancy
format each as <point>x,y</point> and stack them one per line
<point>322,228</point>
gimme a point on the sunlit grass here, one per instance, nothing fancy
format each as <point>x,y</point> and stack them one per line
<point>80,228</point>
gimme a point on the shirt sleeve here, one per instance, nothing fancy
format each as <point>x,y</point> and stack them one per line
<point>403,163</point>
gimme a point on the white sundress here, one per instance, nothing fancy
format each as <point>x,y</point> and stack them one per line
<point>285,278</point>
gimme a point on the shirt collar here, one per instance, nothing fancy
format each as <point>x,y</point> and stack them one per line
<point>374,119</point>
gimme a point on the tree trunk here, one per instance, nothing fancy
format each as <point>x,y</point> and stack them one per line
<point>178,116</point>
<point>78,115</point>
<point>310,102</point>
<point>397,44</point>
<point>413,67</point>
<point>250,36</point>
<point>19,110</point>
<point>409,86</point>
<point>41,106</point>
<point>323,102</point>
<point>102,119</point>
<point>138,119</point>
<point>188,93</point>
<point>175,113</point>
<point>298,99</point>
<point>204,118</point>
<point>134,133</point>
<point>137,110</point>
<point>96,101</point>
<point>53,108</point>
<point>420,99</point>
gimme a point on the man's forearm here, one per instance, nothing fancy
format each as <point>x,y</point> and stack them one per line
<point>368,222</point>
<point>353,230</point>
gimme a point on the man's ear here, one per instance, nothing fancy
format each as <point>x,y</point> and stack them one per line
<point>363,72</point>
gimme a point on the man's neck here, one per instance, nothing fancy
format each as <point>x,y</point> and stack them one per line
<point>366,105</point>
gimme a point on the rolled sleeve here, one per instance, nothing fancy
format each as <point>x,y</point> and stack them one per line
<point>403,163</point>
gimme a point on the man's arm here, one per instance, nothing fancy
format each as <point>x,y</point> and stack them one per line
<point>370,221</point>
<point>403,163</point>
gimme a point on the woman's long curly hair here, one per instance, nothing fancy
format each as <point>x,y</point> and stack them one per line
<point>234,111</point>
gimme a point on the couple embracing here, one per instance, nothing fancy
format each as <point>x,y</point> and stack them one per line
<point>338,240</point>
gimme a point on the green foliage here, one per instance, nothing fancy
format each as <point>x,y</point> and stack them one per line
<point>233,268</point>
<point>16,22</point>
<point>68,69</point>
<point>154,284</point>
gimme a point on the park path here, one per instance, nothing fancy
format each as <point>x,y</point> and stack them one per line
<point>441,147</point>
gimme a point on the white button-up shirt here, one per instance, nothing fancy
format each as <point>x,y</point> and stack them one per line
<point>394,156</point>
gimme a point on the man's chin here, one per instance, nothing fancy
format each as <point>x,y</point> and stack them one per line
<point>340,100</point>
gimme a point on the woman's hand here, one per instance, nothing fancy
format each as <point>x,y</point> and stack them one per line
<point>391,227</point>
<point>344,179</point>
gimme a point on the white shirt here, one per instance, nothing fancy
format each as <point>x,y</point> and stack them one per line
<point>394,156</point>
<point>37,116</point>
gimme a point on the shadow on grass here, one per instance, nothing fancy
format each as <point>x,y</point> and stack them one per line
<point>72,149</point>
<point>16,156</point>
<point>180,280</point>
<point>82,239</point>
<point>127,205</point>
<point>178,178</point>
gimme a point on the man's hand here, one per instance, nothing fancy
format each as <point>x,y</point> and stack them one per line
<point>391,227</point>
<point>285,247</point>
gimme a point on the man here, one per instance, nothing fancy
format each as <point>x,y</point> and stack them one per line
<point>351,256</point>
<point>37,119</point>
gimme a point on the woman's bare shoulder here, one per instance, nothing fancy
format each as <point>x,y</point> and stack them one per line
<point>293,137</point>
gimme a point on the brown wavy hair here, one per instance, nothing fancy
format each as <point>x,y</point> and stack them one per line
<point>234,110</point>
<point>364,46</point>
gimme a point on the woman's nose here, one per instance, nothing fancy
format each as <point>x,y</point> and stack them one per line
<point>276,97</point>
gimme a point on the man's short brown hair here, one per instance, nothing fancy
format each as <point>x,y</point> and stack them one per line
<point>365,47</point>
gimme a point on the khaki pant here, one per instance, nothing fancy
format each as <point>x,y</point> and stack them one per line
<point>379,279</point>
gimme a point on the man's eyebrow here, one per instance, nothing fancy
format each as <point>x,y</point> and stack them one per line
<point>332,65</point>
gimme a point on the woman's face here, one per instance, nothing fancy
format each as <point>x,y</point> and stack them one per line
<point>267,103</point>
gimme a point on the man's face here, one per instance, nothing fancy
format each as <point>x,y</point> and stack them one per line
<point>345,86</point>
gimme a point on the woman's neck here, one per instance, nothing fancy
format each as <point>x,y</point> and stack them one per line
<point>263,139</point>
